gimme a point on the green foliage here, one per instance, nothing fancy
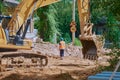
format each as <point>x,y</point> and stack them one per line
<point>18,0</point>
<point>67,38</point>
<point>110,10</point>
<point>2,8</point>
<point>64,9</point>
<point>114,54</point>
<point>97,11</point>
<point>47,23</point>
<point>77,42</point>
<point>112,7</point>
<point>113,31</point>
<point>56,19</point>
<point>105,7</point>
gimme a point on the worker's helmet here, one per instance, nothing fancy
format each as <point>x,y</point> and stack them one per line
<point>61,39</point>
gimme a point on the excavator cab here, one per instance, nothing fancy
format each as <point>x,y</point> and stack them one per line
<point>11,42</point>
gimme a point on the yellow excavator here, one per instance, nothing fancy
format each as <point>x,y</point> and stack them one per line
<point>88,39</point>
<point>12,36</point>
<point>90,46</point>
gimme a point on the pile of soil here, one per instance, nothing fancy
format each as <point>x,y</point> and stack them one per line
<point>53,49</point>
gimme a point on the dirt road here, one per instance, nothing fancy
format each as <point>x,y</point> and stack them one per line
<point>72,67</point>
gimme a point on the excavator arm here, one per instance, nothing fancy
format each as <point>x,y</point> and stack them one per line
<point>84,14</point>
<point>87,38</point>
<point>10,37</point>
<point>23,12</point>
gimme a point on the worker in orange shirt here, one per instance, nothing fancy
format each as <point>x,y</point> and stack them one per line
<point>62,48</point>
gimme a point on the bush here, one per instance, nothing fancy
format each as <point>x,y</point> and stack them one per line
<point>77,42</point>
<point>67,38</point>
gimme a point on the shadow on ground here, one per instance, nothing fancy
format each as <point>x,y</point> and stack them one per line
<point>74,75</point>
<point>64,76</point>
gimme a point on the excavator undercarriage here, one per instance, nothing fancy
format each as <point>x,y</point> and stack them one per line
<point>9,61</point>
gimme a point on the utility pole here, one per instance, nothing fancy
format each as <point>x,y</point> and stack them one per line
<point>73,24</point>
<point>73,14</point>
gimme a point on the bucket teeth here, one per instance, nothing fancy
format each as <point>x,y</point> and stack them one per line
<point>90,57</point>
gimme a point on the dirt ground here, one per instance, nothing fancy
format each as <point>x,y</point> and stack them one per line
<point>71,67</point>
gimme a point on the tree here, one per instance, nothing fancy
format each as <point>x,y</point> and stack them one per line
<point>2,8</point>
<point>107,9</point>
<point>47,23</point>
<point>64,9</point>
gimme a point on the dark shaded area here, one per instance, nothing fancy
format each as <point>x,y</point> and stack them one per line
<point>64,76</point>
<point>7,50</point>
<point>74,65</point>
<point>89,48</point>
<point>10,3</point>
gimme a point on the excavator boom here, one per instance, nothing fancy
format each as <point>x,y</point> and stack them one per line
<point>23,11</point>
<point>10,37</point>
<point>87,38</point>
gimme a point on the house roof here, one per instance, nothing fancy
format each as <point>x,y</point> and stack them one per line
<point>10,3</point>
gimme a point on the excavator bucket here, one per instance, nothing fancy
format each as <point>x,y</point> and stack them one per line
<point>92,46</point>
<point>89,49</point>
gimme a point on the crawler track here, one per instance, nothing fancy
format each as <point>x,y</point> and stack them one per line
<point>26,60</point>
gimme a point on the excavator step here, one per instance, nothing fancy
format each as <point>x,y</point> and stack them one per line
<point>105,75</point>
